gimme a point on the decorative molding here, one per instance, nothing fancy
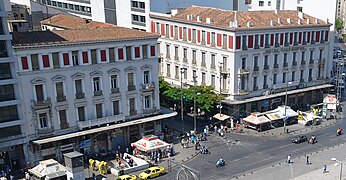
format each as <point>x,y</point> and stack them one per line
<point>38,80</point>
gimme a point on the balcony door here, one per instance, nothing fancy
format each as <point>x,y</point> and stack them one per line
<point>39,92</point>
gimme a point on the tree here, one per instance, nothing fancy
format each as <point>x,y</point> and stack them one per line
<point>339,24</point>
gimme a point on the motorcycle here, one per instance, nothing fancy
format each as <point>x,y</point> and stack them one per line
<point>220,162</point>
<point>338,132</point>
<point>312,140</point>
<point>204,150</point>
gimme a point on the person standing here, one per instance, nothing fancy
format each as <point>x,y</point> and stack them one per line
<point>307,160</point>
<point>289,159</point>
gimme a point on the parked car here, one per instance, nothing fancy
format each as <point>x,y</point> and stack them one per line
<point>152,172</point>
<point>299,139</point>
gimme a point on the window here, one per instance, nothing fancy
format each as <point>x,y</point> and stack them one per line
<point>132,106</point>
<point>59,86</point>
<point>82,8</point>
<point>134,4</point>
<point>276,39</point>
<point>8,113</point>
<point>1,27</point>
<point>81,113</point>
<point>293,75</point>
<point>116,107</point>
<point>176,52</point>
<point>203,59</point>
<point>175,32</point>
<point>185,53</point>
<point>135,17</point>
<point>212,38</point>
<point>142,19</point>
<point>274,78</point>
<point>43,121</point>
<point>59,4</point>
<point>70,6</point>
<point>147,103</point>
<point>255,61</point>
<point>244,43</point>
<point>300,9</point>
<point>256,40</point>
<point>269,3</point>
<point>203,36</point>
<point>301,75</point>
<point>303,57</point>
<point>54,3</point>
<point>75,58</point>
<point>243,63</point>
<point>5,71</point>
<point>99,111</point>
<point>260,3</point>
<point>168,51</point>
<point>63,119</point>
<point>295,38</point>
<point>254,83</point>
<point>3,49</point>
<point>283,77</point>
<point>146,78</point>
<point>194,55</point>
<point>304,37</point>
<point>213,80</point>
<point>265,77</point>
<point>142,5</point>
<point>321,54</point>
<point>311,55</point>
<point>276,59</point>
<point>79,89</point>
<point>285,59</point>
<point>266,61</point>
<point>203,78</point>
<point>267,39</point>
<point>76,7</point>
<point>39,92</point>
<point>97,84</point>
<point>294,57</point>
<point>168,70</point>
<point>286,38</point>
<point>212,61</point>
<point>7,92</point>
<point>130,81</point>
<point>114,81</point>
<point>310,74</point>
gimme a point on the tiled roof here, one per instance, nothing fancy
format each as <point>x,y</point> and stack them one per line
<point>245,20</point>
<point>81,35</point>
<point>74,22</point>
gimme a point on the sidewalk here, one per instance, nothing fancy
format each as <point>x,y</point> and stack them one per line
<point>299,170</point>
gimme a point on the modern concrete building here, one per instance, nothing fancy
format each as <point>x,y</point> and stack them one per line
<point>90,90</point>
<point>12,131</point>
<point>250,57</point>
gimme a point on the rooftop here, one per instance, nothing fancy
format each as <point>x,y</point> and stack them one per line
<point>80,35</point>
<point>73,22</point>
<point>243,20</point>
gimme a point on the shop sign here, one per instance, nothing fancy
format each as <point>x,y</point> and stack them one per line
<point>84,144</point>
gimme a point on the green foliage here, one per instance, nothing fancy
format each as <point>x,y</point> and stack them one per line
<point>206,98</point>
<point>339,24</point>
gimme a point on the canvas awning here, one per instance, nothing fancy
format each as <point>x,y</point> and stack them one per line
<point>257,119</point>
<point>273,116</point>
<point>221,117</point>
<point>149,143</point>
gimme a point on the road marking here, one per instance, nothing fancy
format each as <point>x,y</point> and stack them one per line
<point>301,148</point>
<point>240,159</point>
<point>285,146</point>
<point>258,161</point>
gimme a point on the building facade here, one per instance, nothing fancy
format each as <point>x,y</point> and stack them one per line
<point>93,91</point>
<point>11,122</point>
<point>249,57</point>
<point>131,14</point>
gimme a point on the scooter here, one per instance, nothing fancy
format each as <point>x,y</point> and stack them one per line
<point>204,150</point>
<point>220,162</point>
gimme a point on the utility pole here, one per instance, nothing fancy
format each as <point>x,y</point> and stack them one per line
<point>194,103</point>
<point>182,70</point>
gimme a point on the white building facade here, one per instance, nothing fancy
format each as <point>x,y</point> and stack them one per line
<point>131,14</point>
<point>12,131</point>
<point>71,88</point>
<point>245,54</point>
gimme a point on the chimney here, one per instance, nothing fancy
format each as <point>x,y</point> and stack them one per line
<point>327,20</point>
<point>316,21</point>
<point>289,20</point>
<point>279,20</point>
<point>174,12</point>
<point>199,19</point>
<point>248,24</point>
<point>308,21</point>
<point>208,20</point>
<point>301,15</point>
<point>235,24</point>
<point>299,21</point>
<point>272,23</point>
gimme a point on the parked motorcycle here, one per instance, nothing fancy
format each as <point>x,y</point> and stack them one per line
<point>204,150</point>
<point>220,162</point>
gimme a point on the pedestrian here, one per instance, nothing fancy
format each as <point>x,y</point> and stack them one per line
<point>324,168</point>
<point>289,159</point>
<point>215,128</point>
<point>127,150</point>
<point>307,160</point>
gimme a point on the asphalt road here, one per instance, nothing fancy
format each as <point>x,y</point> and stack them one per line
<point>253,153</point>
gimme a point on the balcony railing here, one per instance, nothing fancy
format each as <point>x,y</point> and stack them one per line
<point>266,67</point>
<point>61,98</point>
<point>225,70</point>
<point>294,63</point>
<point>131,88</point>
<point>276,65</point>
<point>115,90</point>
<point>285,65</point>
<point>256,68</point>
<point>133,113</point>
<point>148,86</point>
<point>243,71</point>
<point>257,46</point>
<point>311,62</point>
<point>203,64</point>
<point>303,63</point>
<point>98,93</point>
<point>42,103</point>
<point>243,92</point>
<point>176,58</point>
<point>80,95</point>
<point>212,66</point>
<point>100,121</point>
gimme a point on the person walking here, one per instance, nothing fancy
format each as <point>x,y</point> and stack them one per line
<point>307,160</point>
<point>325,169</point>
<point>289,159</point>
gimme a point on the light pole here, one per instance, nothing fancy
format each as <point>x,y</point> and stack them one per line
<point>194,103</point>
<point>285,118</point>
<point>339,162</point>
<point>182,71</point>
<point>220,68</point>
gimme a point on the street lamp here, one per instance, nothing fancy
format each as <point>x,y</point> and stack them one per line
<point>336,164</point>
<point>287,83</point>
<point>182,71</point>
<point>194,103</point>
<point>220,68</point>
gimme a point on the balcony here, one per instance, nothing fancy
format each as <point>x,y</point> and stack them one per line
<point>184,59</point>
<point>133,113</point>
<point>257,47</point>
<point>243,71</point>
<point>148,86</point>
<point>131,88</point>
<point>80,95</point>
<point>61,98</point>
<point>286,44</point>
<point>243,92</point>
<point>294,63</point>
<point>115,90</point>
<point>194,61</point>
<point>276,65</point>
<point>101,121</point>
<point>98,93</point>
<point>212,66</point>
<point>256,68</point>
<point>266,67</point>
<point>225,71</point>
<point>285,65</point>
<point>244,47</point>
<point>46,131</point>
<point>303,63</point>
<point>41,104</point>
<point>176,58</point>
